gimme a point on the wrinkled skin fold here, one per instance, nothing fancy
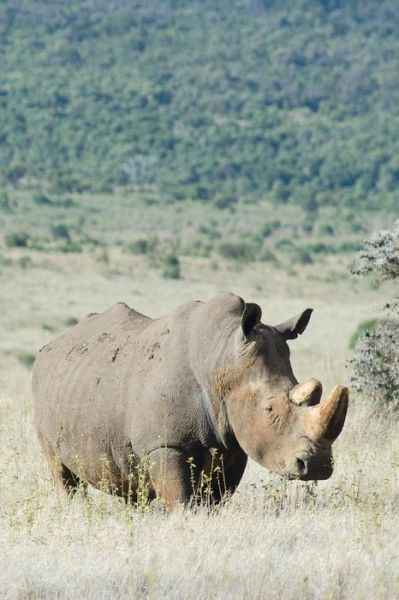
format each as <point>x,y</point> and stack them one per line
<point>180,402</point>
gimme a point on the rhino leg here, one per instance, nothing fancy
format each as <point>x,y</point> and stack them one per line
<point>232,464</point>
<point>65,481</point>
<point>221,472</point>
<point>170,476</point>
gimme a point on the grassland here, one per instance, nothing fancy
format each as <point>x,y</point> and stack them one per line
<point>156,154</point>
<point>336,539</point>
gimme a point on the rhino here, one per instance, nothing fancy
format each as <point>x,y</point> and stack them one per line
<point>190,395</point>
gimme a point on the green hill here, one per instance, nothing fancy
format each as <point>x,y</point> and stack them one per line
<point>292,101</point>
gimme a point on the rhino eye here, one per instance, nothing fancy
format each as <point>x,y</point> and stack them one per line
<point>268,409</point>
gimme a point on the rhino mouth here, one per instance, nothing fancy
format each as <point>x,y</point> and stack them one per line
<point>311,470</point>
<point>317,474</point>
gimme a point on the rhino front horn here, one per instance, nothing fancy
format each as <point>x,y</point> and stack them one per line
<point>330,414</point>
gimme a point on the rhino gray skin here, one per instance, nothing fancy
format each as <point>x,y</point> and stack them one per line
<point>191,393</point>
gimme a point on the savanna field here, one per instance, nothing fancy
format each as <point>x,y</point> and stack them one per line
<point>330,539</point>
<point>160,153</point>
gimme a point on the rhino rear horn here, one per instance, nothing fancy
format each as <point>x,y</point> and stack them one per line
<point>307,393</point>
<point>293,327</point>
<point>250,317</point>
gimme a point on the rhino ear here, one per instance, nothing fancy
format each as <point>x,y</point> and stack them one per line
<point>250,317</point>
<point>293,327</point>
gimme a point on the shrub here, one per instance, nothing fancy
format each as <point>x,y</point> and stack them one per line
<point>267,256</point>
<point>103,256</point>
<point>66,203</point>
<point>24,262</point>
<point>302,257</point>
<point>17,239</point>
<point>379,255</point>
<point>5,202</point>
<point>285,244</point>
<point>363,328</point>
<point>142,245</point>
<point>171,268</point>
<point>202,193</point>
<point>70,321</point>
<point>375,364</point>
<point>326,229</point>
<point>348,247</point>
<point>70,246</point>
<point>60,232</point>
<point>223,202</point>
<point>14,172</point>
<point>138,246</point>
<point>26,358</point>
<point>242,251</point>
<point>211,232</point>
<point>268,228</point>
<point>41,199</point>
<point>321,248</point>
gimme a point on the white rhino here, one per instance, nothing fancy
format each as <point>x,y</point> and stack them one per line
<point>191,394</point>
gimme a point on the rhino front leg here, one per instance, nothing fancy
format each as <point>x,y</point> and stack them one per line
<point>233,466</point>
<point>170,476</point>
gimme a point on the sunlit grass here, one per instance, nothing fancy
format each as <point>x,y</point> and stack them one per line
<point>335,539</point>
<point>273,539</point>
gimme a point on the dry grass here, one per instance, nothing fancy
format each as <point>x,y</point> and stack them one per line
<point>337,539</point>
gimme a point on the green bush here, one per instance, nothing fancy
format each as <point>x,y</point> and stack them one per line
<point>70,321</point>
<point>138,246</point>
<point>302,256</point>
<point>17,239</point>
<point>375,364</point>
<point>285,245</point>
<point>24,262</point>
<point>239,250</point>
<point>171,268</point>
<point>348,247</point>
<point>41,199</point>
<point>142,245</point>
<point>71,247</point>
<point>363,327</point>
<point>60,232</point>
<point>6,204</point>
<point>268,228</point>
<point>103,256</point>
<point>224,202</point>
<point>320,248</point>
<point>26,358</point>
<point>326,229</point>
<point>66,203</point>
<point>197,247</point>
<point>266,255</point>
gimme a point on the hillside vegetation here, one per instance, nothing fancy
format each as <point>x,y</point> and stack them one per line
<point>219,102</point>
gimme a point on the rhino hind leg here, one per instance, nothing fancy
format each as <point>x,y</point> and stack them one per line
<point>70,482</point>
<point>65,481</point>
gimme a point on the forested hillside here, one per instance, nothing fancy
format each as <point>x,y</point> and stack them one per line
<point>293,101</point>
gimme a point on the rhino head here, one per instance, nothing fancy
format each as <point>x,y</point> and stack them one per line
<point>278,422</point>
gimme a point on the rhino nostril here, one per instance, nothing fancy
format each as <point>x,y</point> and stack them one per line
<point>302,466</point>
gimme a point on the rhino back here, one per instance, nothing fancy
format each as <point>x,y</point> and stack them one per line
<point>77,383</point>
<point>119,382</point>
